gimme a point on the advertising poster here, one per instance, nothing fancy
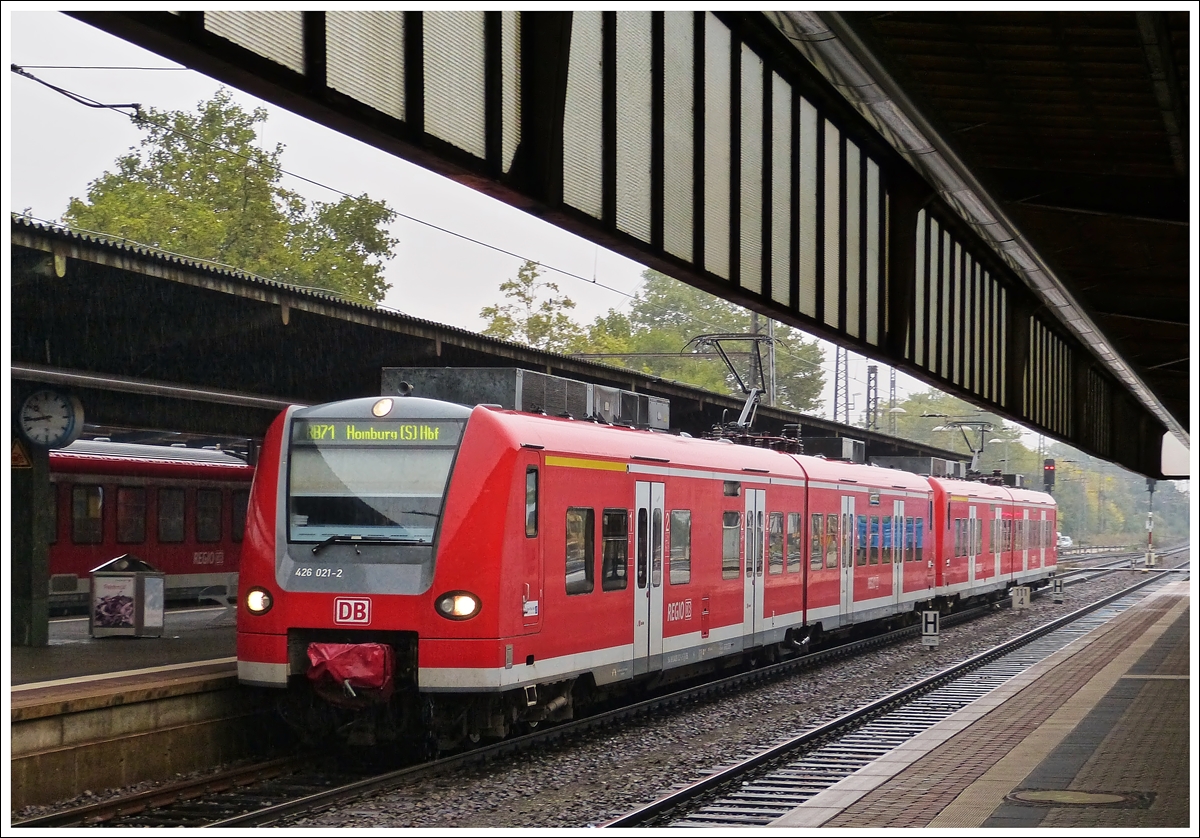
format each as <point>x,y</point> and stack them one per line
<point>152,615</point>
<point>112,602</point>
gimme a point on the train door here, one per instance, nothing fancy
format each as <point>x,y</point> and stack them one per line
<point>756,503</point>
<point>997,537</point>
<point>1025,540</point>
<point>894,545</point>
<point>848,529</point>
<point>648,598</point>
<point>531,550</point>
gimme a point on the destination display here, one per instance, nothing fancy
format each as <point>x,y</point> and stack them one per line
<point>357,432</point>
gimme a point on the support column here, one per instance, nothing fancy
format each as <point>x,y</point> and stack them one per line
<point>29,561</point>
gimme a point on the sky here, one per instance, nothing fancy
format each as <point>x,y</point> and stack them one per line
<point>54,147</point>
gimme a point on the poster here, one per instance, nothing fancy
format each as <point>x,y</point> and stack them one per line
<point>112,602</point>
<point>152,615</point>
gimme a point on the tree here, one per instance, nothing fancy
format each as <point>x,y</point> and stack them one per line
<point>199,186</point>
<point>665,314</point>
<point>537,315</point>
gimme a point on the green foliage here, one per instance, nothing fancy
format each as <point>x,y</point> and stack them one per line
<point>665,314</point>
<point>199,186</point>
<point>541,323</point>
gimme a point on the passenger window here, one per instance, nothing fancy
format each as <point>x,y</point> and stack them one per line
<point>919,539</point>
<point>208,515</point>
<point>874,539</point>
<point>909,554</point>
<point>831,540</point>
<point>862,540</point>
<point>731,561</point>
<point>817,549</point>
<point>886,547</point>
<point>775,542</point>
<point>643,536</point>
<point>793,542</point>
<point>581,553</point>
<point>87,514</point>
<point>681,547</point>
<point>241,499</point>
<point>615,532</point>
<point>531,501</point>
<point>131,515</point>
<point>656,548</point>
<point>170,516</point>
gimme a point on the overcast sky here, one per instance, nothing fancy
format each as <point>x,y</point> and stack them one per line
<point>54,147</point>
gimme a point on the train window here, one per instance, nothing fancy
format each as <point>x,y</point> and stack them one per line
<point>733,489</point>
<point>909,554</point>
<point>817,553</point>
<point>615,532</point>
<point>131,515</point>
<point>241,499</point>
<point>87,514</point>
<point>581,550</point>
<point>775,542</point>
<point>793,542</point>
<point>919,539</point>
<point>531,501</point>
<point>681,546</point>
<point>642,536</point>
<point>731,543</point>
<point>831,540</point>
<point>874,559</point>
<point>170,516</point>
<point>208,515</point>
<point>885,545</point>
<point>862,541</point>
<point>656,548</point>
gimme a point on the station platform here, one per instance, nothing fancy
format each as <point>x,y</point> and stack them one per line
<point>1097,736</point>
<point>190,636</point>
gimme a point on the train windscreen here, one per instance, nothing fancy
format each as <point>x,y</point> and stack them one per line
<point>369,481</point>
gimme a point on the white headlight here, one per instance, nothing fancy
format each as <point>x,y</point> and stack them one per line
<point>258,601</point>
<point>382,407</point>
<point>458,605</point>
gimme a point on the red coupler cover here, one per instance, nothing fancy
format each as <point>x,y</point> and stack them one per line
<point>362,664</point>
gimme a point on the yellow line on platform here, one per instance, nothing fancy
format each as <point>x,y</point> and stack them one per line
<point>83,679</point>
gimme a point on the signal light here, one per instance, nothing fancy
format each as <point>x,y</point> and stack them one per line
<point>1048,473</point>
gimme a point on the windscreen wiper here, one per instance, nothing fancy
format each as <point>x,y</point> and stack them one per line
<point>358,539</point>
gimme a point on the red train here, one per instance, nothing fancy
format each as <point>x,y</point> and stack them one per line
<point>416,567</point>
<point>182,510</point>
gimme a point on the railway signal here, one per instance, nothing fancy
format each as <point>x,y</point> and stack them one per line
<point>1048,474</point>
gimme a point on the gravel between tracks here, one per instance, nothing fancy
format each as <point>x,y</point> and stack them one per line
<point>596,776</point>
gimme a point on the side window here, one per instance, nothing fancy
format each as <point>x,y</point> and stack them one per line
<point>131,515</point>
<point>731,544</point>
<point>681,547</point>
<point>656,548</point>
<point>793,542</point>
<point>581,550</point>
<point>874,539</point>
<point>170,516</point>
<point>241,499</point>
<point>886,540</point>
<point>531,501</point>
<point>775,542</point>
<point>919,539</point>
<point>831,540</point>
<point>208,515</point>
<point>87,514</point>
<point>862,540</point>
<point>615,532</point>
<point>909,555</point>
<point>643,535</point>
<point>817,548</point>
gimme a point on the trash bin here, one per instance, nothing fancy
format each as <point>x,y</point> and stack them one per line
<point>127,599</point>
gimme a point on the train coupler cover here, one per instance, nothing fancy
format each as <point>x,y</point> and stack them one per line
<point>352,674</point>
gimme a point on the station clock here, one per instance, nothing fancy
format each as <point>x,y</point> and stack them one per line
<point>50,418</point>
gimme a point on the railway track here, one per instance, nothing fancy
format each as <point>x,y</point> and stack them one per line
<point>767,785</point>
<point>266,794</point>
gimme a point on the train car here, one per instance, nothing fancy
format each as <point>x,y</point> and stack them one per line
<point>416,569</point>
<point>182,510</point>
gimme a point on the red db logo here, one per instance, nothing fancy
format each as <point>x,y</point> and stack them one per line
<point>353,611</point>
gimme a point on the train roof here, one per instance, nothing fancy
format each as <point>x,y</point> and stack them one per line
<point>100,451</point>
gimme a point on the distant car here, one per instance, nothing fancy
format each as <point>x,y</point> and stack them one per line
<point>1064,541</point>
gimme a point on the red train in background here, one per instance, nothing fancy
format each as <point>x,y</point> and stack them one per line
<point>182,510</point>
<point>417,568</point>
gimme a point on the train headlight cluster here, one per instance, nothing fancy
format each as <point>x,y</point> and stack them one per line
<point>458,605</point>
<point>258,601</point>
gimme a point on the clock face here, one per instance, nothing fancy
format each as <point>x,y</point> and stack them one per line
<point>51,419</point>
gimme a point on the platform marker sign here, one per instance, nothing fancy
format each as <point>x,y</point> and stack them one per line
<point>1058,590</point>
<point>1020,598</point>
<point>929,628</point>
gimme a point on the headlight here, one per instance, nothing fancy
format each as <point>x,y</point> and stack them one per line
<point>458,605</point>
<point>258,601</point>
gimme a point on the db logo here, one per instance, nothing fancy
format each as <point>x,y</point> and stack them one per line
<point>354,611</point>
